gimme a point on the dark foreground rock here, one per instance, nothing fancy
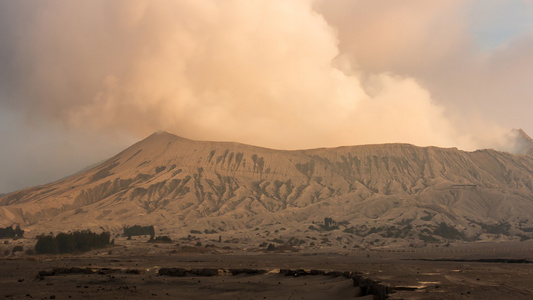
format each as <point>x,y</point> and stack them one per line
<point>259,276</point>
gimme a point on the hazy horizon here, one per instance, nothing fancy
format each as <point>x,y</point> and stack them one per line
<point>82,81</point>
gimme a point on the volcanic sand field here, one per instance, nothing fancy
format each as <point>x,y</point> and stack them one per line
<point>131,270</point>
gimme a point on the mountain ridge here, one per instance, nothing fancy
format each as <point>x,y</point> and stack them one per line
<point>179,184</point>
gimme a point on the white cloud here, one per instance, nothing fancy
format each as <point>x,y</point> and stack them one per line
<point>282,74</point>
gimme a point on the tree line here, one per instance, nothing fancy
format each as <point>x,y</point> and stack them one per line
<point>10,232</point>
<point>78,241</point>
<point>139,230</point>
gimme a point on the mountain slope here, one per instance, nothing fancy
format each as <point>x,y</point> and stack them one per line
<point>178,184</point>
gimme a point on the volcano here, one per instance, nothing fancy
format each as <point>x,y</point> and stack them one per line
<point>380,194</point>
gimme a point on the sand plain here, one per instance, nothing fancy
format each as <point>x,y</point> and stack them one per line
<point>132,271</point>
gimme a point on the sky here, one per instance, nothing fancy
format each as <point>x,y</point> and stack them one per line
<point>82,80</point>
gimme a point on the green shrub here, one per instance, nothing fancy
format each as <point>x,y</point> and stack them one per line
<point>17,248</point>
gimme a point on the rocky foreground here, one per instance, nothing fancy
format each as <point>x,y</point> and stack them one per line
<point>133,269</point>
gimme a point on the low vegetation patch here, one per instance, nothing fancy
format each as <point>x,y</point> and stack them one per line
<point>500,228</point>
<point>160,239</point>
<point>448,232</point>
<point>281,248</point>
<point>428,238</point>
<point>329,225</point>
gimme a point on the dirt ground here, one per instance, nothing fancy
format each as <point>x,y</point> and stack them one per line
<point>133,273</point>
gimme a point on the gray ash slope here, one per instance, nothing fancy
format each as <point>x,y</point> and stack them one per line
<point>394,193</point>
